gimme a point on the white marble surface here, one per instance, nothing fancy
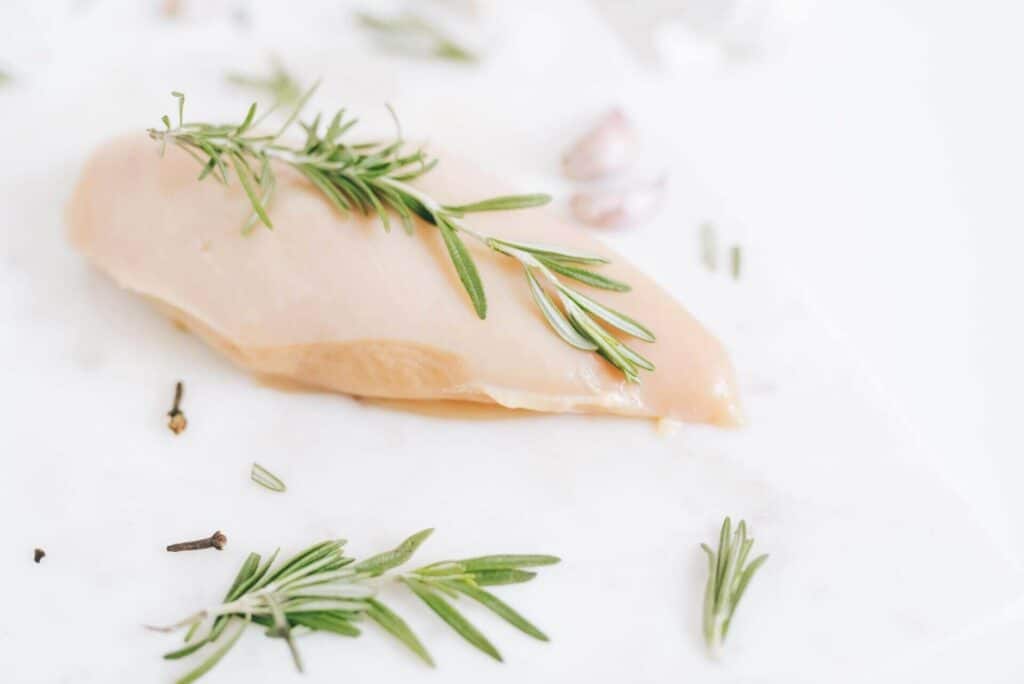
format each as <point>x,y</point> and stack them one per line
<point>864,469</point>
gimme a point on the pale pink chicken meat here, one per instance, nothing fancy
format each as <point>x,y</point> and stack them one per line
<point>335,302</point>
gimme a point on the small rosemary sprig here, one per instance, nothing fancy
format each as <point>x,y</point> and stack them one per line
<point>729,573</point>
<point>411,33</point>
<point>279,85</point>
<point>322,590</point>
<point>373,179</point>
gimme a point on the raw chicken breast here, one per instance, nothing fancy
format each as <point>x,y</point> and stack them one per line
<point>338,303</point>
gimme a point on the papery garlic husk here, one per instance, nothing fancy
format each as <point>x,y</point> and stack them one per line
<point>619,207</point>
<point>610,146</point>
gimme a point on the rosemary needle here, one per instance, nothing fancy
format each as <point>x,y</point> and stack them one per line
<point>323,590</point>
<point>373,179</point>
<point>709,246</point>
<point>729,573</point>
<point>736,261</point>
<point>265,478</point>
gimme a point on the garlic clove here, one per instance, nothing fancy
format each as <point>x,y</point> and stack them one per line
<point>619,207</point>
<point>610,146</point>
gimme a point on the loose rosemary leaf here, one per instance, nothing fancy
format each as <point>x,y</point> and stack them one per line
<point>709,246</point>
<point>266,479</point>
<point>735,261</point>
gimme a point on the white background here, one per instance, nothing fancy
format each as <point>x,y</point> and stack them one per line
<point>869,158</point>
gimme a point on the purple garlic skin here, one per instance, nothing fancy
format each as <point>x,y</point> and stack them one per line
<point>610,146</point>
<point>619,207</point>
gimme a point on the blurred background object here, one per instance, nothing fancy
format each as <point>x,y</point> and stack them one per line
<point>674,32</point>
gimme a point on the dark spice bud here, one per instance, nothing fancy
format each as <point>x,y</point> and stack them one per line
<point>38,555</point>
<point>177,422</point>
<point>217,540</point>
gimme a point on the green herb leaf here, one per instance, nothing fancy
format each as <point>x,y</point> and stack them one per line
<point>398,628</point>
<point>505,203</point>
<point>215,657</point>
<point>558,321</point>
<point>736,261</point>
<point>333,621</point>
<point>465,267</point>
<point>299,106</point>
<point>497,606</point>
<point>584,276</point>
<point>709,246</point>
<point>245,177</point>
<point>248,569</point>
<point>383,562</point>
<point>266,479</point>
<point>508,562</point>
<point>244,126</point>
<point>619,320</point>
<point>454,618</point>
<point>555,253</point>
<point>485,578</point>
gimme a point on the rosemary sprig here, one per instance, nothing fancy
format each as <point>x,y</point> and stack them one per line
<point>729,573</point>
<point>373,179</point>
<point>411,33</point>
<point>279,85</point>
<point>322,590</point>
<point>266,479</point>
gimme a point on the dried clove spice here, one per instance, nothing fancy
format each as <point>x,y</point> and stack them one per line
<point>38,555</point>
<point>217,540</point>
<point>176,419</point>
